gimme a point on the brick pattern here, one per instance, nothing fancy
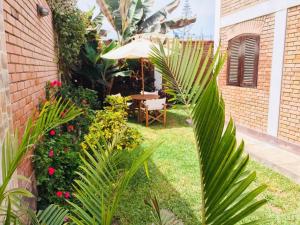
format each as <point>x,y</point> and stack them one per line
<point>232,6</point>
<point>289,126</point>
<point>31,55</point>
<point>4,86</point>
<point>249,106</point>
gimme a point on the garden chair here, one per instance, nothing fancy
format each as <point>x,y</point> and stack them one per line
<point>149,93</point>
<point>155,110</point>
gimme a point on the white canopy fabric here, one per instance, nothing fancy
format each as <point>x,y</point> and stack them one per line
<point>137,49</point>
<point>140,48</point>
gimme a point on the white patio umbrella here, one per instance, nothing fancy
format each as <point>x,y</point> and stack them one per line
<point>137,49</point>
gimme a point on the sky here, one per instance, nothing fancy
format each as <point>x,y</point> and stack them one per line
<point>203,9</point>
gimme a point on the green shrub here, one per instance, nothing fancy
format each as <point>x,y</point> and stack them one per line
<point>70,26</point>
<point>59,151</point>
<point>111,121</point>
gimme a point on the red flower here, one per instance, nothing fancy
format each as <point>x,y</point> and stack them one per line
<point>51,171</point>
<point>52,132</point>
<point>67,194</point>
<point>53,83</point>
<point>51,153</point>
<point>59,194</point>
<point>70,128</point>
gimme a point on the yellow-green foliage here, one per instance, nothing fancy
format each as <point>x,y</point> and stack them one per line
<point>111,121</point>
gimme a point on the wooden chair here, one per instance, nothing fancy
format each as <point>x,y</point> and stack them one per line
<point>155,110</point>
<point>149,93</point>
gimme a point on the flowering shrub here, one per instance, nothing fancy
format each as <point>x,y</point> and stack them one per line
<point>57,156</point>
<point>110,121</point>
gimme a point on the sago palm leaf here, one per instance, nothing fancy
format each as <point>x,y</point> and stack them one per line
<point>13,150</point>
<point>188,69</point>
<point>225,181</point>
<point>52,215</point>
<point>102,183</point>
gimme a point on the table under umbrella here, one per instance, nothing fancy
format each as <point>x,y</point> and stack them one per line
<point>137,49</point>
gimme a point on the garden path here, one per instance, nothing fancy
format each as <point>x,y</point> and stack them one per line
<point>279,158</point>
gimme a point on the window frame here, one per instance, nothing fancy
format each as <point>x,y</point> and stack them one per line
<point>241,61</point>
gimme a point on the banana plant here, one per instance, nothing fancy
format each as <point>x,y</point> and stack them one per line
<point>14,150</point>
<point>131,17</point>
<point>225,181</point>
<point>98,71</point>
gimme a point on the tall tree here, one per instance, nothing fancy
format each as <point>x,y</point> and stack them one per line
<point>131,17</point>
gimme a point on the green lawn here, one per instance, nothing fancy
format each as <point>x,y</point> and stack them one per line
<point>175,180</point>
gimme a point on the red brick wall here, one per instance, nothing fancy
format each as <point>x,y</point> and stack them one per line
<point>249,106</point>
<point>289,126</point>
<point>231,6</point>
<point>31,55</point>
<point>5,114</point>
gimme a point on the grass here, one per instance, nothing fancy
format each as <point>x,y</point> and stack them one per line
<point>174,179</point>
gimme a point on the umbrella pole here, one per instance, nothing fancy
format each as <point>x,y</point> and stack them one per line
<point>142,71</point>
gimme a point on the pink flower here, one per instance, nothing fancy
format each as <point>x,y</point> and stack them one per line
<point>67,194</point>
<point>52,132</point>
<point>59,194</point>
<point>51,171</point>
<point>58,84</point>
<point>51,153</point>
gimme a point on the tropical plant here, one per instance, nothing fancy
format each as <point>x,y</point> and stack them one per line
<point>225,181</point>
<point>103,178</point>
<point>14,151</point>
<point>130,17</point>
<point>99,72</point>
<point>52,215</point>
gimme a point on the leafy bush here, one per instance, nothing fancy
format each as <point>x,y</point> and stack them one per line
<point>57,155</point>
<point>70,26</point>
<point>110,121</point>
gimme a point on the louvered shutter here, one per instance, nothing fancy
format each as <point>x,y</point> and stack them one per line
<point>233,61</point>
<point>249,68</point>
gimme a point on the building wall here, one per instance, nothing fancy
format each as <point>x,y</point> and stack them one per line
<point>32,61</point>
<point>4,86</point>
<point>249,106</point>
<point>31,55</point>
<point>231,6</point>
<point>289,123</point>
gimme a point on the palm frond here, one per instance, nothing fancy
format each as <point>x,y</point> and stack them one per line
<point>102,183</point>
<point>186,68</point>
<point>52,215</point>
<point>226,198</point>
<point>225,181</point>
